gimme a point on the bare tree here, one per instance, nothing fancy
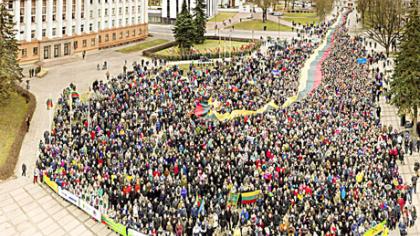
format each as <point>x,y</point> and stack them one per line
<point>286,2</point>
<point>362,6</point>
<point>323,7</point>
<point>264,4</point>
<point>385,21</point>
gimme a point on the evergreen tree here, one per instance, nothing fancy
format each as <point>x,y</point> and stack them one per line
<point>10,71</point>
<point>200,20</point>
<point>184,29</point>
<point>405,87</point>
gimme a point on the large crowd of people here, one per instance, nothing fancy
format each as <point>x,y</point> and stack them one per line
<point>324,165</point>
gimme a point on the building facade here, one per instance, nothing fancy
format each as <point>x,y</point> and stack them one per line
<point>169,9</point>
<point>48,29</point>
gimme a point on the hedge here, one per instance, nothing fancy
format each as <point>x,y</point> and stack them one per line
<point>152,51</point>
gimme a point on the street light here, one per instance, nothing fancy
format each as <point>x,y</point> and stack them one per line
<point>218,32</point>
<point>230,43</point>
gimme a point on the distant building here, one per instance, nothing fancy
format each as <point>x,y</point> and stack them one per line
<point>169,9</point>
<point>48,29</point>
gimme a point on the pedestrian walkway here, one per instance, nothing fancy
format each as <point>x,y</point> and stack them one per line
<point>32,209</point>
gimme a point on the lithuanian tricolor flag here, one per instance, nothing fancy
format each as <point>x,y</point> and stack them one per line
<point>75,94</point>
<point>201,109</point>
<point>250,197</point>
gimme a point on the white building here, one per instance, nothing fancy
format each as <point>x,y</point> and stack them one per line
<point>169,10</point>
<point>53,28</point>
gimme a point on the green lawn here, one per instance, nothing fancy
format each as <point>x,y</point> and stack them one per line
<point>208,44</point>
<point>258,25</point>
<point>12,113</point>
<point>142,46</point>
<point>295,14</point>
<point>222,16</point>
<point>302,20</point>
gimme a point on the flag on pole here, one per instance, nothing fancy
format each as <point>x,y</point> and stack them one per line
<point>201,209</point>
<point>75,94</point>
<point>201,109</point>
<point>250,197</point>
<point>233,199</point>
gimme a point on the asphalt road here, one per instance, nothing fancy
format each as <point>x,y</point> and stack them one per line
<point>165,32</point>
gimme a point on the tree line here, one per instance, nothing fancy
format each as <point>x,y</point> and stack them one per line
<point>10,71</point>
<point>190,29</point>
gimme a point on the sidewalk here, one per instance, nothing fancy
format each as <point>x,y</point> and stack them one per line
<point>30,209</point>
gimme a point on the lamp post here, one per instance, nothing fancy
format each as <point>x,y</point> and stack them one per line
<point>230,43</point>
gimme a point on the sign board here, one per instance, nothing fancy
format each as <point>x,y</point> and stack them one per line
<point>92,211</point>
<point>52,184</point>
<point>361,61</point>
<point>68,196</point>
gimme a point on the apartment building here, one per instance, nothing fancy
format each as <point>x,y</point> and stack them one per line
<point>48,29</point>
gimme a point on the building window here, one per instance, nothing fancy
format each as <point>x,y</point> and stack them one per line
<point>90,27</point>
<point>66,49</point>
<point>63,30</point>
<point>139,19</point>
<point>138,9</point>
<point>114,36</point>
<point>113,23</point>
<point>106,12</point>
<point>54,31</point>
<point>75,45</point>
<point>133,9</point>
<point>73,29</point>
<point>92,42</point>
<point>47,52</point>
<point>120,22</point>
<point>113,11</point>
<point>120,11</point>
<point>24,52</point>
<point>106,37</point>
<point>35,51</point>
<point>132,20</point>
<point>91,14</point>
<point>126,10</point>
<point>57,50</point>
<point>22,13</point>
<point>32,34</point>
<point>44,32</point>
<point>127,34</point>
<point>100,39</point>
<point>134,33</point>
<point>121,35</point>
<point>84,42</point>
<point>126,21</point>
<point>99,13</point>
<point>82,28</point>
<point>139,31</point>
